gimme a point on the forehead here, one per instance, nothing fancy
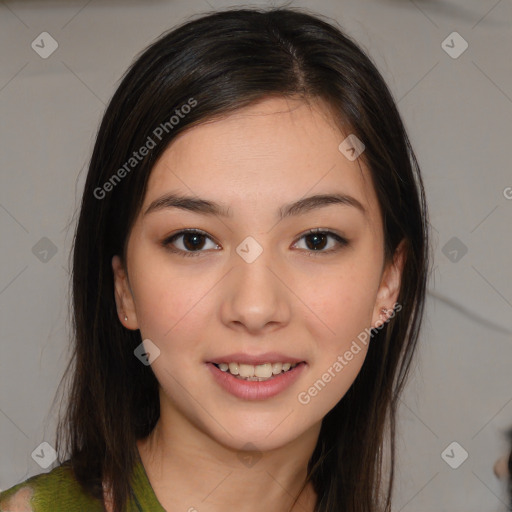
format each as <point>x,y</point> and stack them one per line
<point>262,156</point>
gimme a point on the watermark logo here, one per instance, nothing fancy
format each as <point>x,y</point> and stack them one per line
<point>44,455</point>
<point>44,45</point>
<point>44,250</point>
<point>454,249</point>
<point>454,455</point>
<point>304,397</point>
<point>174,120</point>
<point>147,352</point>
<point>454,45</point>
<point>249,249</point>
<point>249,455</point>
<point>351,147</point>
<point>145,149</point>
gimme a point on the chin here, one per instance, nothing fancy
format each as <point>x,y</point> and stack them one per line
<point>259,440</point>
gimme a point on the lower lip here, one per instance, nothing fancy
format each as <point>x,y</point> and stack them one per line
<point>256,390</point>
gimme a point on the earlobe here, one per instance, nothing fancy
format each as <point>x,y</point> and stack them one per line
<point>123,295</point>
<point>390,287</point>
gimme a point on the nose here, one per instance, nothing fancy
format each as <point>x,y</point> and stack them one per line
<point>255,298</point>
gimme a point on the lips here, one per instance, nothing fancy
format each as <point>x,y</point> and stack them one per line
<point>256,359</point>
<point>256,390</point>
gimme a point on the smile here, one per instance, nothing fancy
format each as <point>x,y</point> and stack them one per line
<point>258,372</point>
<point>253,387</point>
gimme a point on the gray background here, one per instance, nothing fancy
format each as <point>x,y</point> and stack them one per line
<point>458,112</point>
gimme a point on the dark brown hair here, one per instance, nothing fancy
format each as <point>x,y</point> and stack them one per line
<point>509,467</point>
<point>221,62</point>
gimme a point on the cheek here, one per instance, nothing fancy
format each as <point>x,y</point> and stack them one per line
<point>161,295</point>
<point>342,302</point>
<point>329,381</point>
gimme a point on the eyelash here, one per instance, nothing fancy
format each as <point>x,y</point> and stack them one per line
<point>342,242</point>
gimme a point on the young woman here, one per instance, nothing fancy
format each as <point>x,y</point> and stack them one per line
<point>249,274</point>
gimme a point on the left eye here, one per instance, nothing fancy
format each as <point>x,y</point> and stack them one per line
<point>318,238</point>
<point>194,241</point>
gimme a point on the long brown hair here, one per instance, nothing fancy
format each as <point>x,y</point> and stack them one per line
<point>216,64</point>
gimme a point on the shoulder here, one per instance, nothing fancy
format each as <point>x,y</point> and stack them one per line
<point>56,491</point>
<point>17,499</point>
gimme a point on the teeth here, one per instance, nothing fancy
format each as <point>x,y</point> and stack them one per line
<point>256,372</point>
<point>263,370</point>
<point>246,370</point>
<point>276,368</point>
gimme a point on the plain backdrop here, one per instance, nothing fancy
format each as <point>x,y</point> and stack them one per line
<point>456,102</point>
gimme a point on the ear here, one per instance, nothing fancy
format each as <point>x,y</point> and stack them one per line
<point>389,288</point>
<point>123,295</point>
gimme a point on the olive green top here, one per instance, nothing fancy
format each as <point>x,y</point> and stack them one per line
<point>59,491</point>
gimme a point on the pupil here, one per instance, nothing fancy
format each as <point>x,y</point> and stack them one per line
<point>194,236</point>
<point>316,237</point>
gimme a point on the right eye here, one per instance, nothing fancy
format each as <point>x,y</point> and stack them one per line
<point>192,242</point>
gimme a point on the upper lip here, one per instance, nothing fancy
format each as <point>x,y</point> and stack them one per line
<point>255,359</point>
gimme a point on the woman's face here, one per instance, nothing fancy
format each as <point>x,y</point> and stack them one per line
<point>253,282</point>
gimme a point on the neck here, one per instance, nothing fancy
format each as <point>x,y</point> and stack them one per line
<point>187,469</point>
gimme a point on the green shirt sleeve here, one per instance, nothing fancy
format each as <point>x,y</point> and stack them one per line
<point>58,491</point>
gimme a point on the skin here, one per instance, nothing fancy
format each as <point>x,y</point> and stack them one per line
<point>501,467</point>
<point>215,303</point>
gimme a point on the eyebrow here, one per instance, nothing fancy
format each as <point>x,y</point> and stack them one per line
<point>206,207</point>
